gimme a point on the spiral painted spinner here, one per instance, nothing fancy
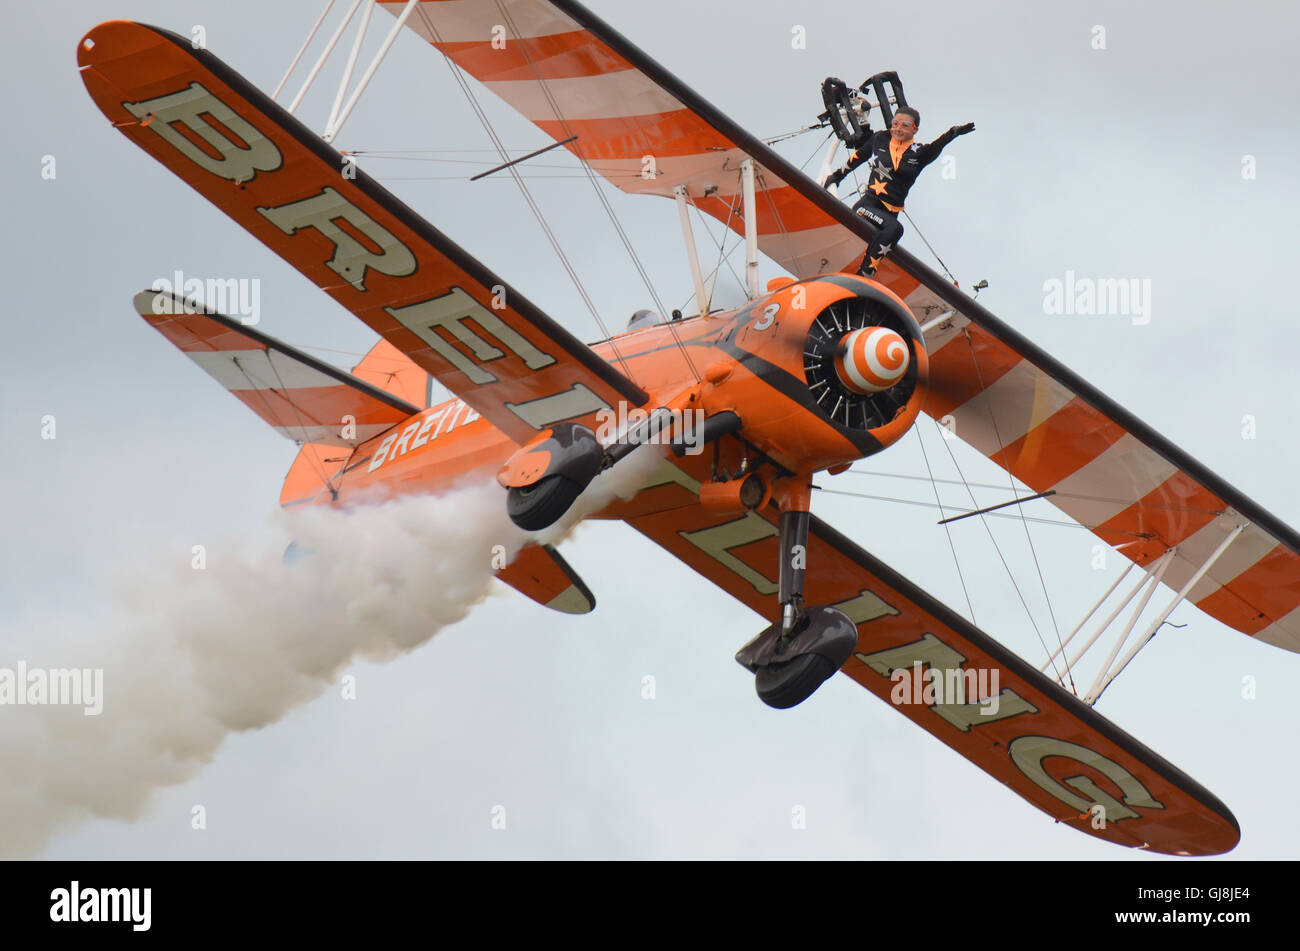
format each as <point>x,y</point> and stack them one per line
<point>871,359</point>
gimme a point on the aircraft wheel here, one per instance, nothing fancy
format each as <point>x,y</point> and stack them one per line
<point>790,683</point>
<point>534,507</point>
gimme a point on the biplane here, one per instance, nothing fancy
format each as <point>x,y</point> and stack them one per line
<point>744,405</point>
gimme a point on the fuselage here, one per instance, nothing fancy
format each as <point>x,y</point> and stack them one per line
<point>752,360</point>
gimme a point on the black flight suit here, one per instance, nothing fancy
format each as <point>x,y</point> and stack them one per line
<point>888,185</point>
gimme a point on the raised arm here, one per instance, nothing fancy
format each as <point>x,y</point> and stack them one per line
<point>928,153</point>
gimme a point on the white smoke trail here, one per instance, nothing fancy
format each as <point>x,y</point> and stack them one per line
<point>195,655</point>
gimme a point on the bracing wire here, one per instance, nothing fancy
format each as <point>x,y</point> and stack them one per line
<point>272,414</point>
<point>1001,557</point>
<point>944,509</point>
<point>946,528</point>
<point>528,197</point>
<point>600,194</point>
<point>1006,465</point>
<point>724,257</point>
<point>796,132</point>
<point>1082,496</point>
<point>931,247</point>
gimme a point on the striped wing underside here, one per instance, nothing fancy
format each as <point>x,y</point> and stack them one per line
<point>297,395</point>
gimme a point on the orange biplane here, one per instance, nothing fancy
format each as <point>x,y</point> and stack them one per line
<point>815,371</point>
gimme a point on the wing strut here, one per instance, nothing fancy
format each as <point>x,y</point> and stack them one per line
<point>688,235</point>
<point>337,118</point>
<point>303,49</point>
<point>751,227</point>
<point>1150,580</point>
<point>1105,678</point>
<point>320,60</point>
<point>340,110</point>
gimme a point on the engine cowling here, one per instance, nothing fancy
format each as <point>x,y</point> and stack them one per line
<point>848,356</point>
<point>864,361</point>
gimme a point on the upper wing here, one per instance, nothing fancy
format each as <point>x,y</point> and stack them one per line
<point>636,124</point>
<point>1040,741</point>
<point>1114,474</point>
<point>572,74</point>
<point>457,320</point>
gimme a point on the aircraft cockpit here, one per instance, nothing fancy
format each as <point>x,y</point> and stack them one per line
<point>645,318</point>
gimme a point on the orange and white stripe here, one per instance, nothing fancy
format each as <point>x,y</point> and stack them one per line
<point>1103,477</point>
<point>298,396</point>
<point>1108,480</point>
<point>569,81</point>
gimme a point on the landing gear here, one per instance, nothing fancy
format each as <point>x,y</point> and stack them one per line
<point>534,507</point>
<point>546,476</point>
<point>797,654</point>
<point>789,669</point>
<point>788,684</point>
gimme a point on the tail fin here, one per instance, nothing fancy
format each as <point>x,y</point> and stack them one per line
<point>311,480</point>
<point>307,400</point>
<point>394,372</point>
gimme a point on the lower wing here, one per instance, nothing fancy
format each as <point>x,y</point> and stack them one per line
<point>953,680</point>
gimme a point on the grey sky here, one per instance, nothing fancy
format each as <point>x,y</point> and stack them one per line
<point>1122,162</point>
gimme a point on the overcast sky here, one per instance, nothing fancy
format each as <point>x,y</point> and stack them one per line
<point>1123,162</point>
